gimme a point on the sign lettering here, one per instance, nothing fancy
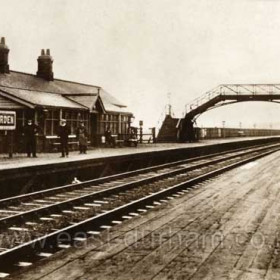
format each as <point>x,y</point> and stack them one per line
<point>7,120</point>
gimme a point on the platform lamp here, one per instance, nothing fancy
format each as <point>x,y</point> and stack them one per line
<point>153,132</point>
<point>45,116</point>
<point>141,131</point>
<point>44,128</point>
<point>224,132</point>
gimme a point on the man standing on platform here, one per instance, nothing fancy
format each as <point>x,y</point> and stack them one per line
<point>108,137</point>
<point>63,133</point>
<point>30,132</point>
<point>82,136</point>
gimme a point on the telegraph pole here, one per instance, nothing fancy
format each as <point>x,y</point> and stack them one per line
<point>169,104</point>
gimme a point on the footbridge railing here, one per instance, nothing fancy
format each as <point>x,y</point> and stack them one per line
<point>232,93</point>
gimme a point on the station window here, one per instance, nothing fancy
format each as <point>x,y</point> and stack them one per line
<point>52,119</point>
<point>117,123</point>
<point>73,118</point>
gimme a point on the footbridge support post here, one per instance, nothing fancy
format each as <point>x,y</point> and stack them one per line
<point>186,132</point>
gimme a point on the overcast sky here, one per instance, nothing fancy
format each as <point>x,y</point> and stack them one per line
<point>139,50</point>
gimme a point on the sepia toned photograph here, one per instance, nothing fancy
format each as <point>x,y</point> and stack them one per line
<point>140,140</point>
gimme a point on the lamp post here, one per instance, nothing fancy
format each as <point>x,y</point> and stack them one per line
<point>141,131</point>
<point>153,132</point>
<point>224,132</point>
<point>169,104</point>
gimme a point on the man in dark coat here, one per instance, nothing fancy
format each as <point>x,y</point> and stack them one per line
<point>82,136</point>
<point>63,133</point>
<point>30,131</point>
<point>108,136</point>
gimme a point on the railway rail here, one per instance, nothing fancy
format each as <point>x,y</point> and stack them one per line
<point>31,224</point>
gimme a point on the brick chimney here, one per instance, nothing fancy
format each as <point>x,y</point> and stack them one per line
<point>45,62</point>
<point>4,53</point>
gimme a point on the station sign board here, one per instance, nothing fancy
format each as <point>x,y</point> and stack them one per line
<point>7,120</point>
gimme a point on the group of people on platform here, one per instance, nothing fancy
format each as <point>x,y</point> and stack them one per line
<point>31,130</point>
<point>110,141</point>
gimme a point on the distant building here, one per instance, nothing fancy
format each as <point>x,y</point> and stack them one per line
<point>47,100</point>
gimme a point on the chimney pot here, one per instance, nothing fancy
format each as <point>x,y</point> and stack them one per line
<point>3,40</point>
<point>45,68</point>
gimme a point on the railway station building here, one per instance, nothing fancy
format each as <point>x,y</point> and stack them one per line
<point>47,100</point>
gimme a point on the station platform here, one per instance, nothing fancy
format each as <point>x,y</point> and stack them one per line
<point>226,228</point>
<point>20,160</point>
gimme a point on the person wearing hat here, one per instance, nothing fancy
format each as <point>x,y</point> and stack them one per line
<point>108,137</point>
<point>82,136</point>
<point>63,133</point>
<point>30,131</point>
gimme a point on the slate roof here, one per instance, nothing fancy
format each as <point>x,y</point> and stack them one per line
<point>32,82</point>
<point>111,104</point>
<point>87,100</point>
<point>33,98</point>
<point>35,91</point>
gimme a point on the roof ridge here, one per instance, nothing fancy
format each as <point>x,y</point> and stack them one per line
<point>55,79</point>
<point>79,94</point>
<point>52,92</point>
<point>28,89</point>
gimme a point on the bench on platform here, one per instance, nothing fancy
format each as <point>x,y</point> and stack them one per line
<point>119,143</point>
<point>120,140</point>
<point>54,142</point>
<point>131,142</point>
<point>116,142</point>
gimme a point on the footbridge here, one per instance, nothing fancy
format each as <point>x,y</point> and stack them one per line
<point>232,93</point>
<point>222,95</point>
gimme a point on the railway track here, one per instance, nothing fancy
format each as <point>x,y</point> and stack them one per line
<point>31,224</point>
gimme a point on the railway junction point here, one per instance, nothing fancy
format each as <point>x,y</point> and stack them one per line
<point>225,228</point>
